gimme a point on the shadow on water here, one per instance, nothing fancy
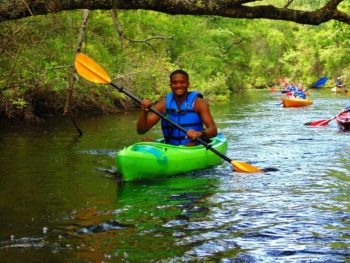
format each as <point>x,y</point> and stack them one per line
<point>61,201</point>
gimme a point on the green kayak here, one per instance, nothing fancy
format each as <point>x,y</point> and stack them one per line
<point>146,160</point>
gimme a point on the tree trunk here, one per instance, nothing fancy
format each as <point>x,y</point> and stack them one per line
<point>118,27</point>
<point>73,75</point>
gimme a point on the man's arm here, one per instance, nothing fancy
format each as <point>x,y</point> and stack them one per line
<point>201,106</point>
<point>148,119</point>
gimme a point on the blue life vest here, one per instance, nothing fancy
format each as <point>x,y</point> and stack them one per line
<point>293,88</point>
<point>185,116</point>
<point>300,93</point>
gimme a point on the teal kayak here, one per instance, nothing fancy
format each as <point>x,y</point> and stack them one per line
<point>147,160</point>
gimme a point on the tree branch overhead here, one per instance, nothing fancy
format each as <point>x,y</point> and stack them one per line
<point>17,9</point>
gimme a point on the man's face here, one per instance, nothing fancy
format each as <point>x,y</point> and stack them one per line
<point>179,84</point>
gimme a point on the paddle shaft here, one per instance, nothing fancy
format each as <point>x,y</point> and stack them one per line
<point>325,122</point>
<point>201,141</point>
<point>329,120</point>
<point>336,116</point>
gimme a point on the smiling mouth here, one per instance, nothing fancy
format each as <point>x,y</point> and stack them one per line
<point>179,91</point>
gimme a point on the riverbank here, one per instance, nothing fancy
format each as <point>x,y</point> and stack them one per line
<point>37,105</point>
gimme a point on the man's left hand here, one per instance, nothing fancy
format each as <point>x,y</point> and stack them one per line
<point>193,134</point>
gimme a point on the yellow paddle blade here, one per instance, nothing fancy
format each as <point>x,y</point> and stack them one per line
<point>245,167</point>
<point>90,70</point>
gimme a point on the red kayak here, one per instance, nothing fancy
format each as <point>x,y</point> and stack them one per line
<point>343,121</point>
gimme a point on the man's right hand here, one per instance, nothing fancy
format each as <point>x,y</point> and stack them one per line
<point>145,105</point>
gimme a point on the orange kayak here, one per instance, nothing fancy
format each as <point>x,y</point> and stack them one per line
<point>295,102</point>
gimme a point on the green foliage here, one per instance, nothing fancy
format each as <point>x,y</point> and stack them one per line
<point>19,103</point>
<point>215,88</point>
<point>221,55</point>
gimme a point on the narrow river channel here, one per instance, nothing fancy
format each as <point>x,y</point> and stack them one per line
<point>60,200</point>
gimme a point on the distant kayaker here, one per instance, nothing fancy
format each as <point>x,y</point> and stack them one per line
<point>300,92</point>
<point>188,109</point>
<point>289,89</point>
<point>293,88</point>
<point>338,83</point>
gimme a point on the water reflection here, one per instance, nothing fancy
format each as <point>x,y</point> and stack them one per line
<point>61,202</point>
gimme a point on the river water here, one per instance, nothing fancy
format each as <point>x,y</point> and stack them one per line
<point>60,200</point>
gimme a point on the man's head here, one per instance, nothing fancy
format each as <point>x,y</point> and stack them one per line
<point>180,71</point>
<point>300,86</point>
<point>179,82</point>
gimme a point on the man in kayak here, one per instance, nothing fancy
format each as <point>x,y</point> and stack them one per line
<point>290,89</point>
<point>338,83</point>
<point>188,109</point>
<point>300,92</point>
<point>293,88</point>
